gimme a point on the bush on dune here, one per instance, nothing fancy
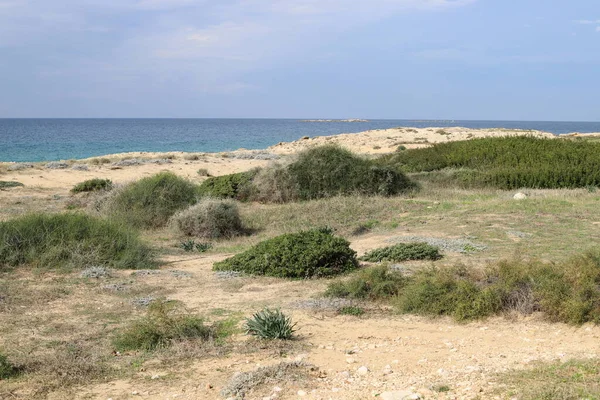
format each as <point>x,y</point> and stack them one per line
<point>306,254</point>
<point>92,185</point>
<point>233,186</point>
<point>403,252</point>
<point>70,240</point>
<point>150,202</point>
<point>210,218</point>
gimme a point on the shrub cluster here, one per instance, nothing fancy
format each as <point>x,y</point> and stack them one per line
<point>162,325</point>
<point>233,186</point>
<point>306,254</point>
<point>564,292</point>
<point>403,252</point>
<point>92,185</point>
<point>70,240</point>
<point>210,218</point>
<point>150,202</point>
<point>509,162</point>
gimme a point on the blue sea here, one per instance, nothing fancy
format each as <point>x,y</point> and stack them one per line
<point>61,139</point>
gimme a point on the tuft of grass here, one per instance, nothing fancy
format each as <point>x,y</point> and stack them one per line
<point>571,380</point>
<point>92,185</point>
<point>150,202</point>
<point>403,252</point>
<point>70,240</point>
<point>164,324</point>
<point>306,254</point>
<point>373,283</point>
<point>9,184</point>
<point>210,218</point>
<point>351,310</point>
<point>270,324</point>
<point>7,369</point>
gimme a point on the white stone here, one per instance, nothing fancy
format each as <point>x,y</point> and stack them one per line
<point>350,360</point>
<point>520,196</point>
<point>301,393</point>
<point>362,370</point>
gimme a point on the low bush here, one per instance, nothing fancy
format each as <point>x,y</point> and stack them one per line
<point>92,185</point>
<point>70,240</point>
<point>9,184</point>
<point>164,324</point>
<point>374,283</point>
<point>351,310</point>
<point>233,186</point>
<point>403,252</point>
<point>210,218</point>
<point>7,369</point>
<point>306,254</point>
<point>329,171</point>
<point>270,324</point>
<point>508,162</point>
<point>150,202</point>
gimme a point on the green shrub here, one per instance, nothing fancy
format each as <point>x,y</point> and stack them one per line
<point>150,202</point>
<point>509,162</point>
<point>351,310</point>
<point>92,185</point>
<point>210,218</point>
<point>70,240</point>
<point>270,324</point>
<point>203,171</point>
<point>403,252</point>
<point>313,253</point>
<point>234,186</point>
<point>328,171</point>
<point>9,184</point>
<point>374,283</point>
<point>7,369</point>
<point>162,325</point>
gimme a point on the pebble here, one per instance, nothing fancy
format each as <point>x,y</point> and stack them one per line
<point>362,370</point>
<point>520,196</point>
<point>301,393</point>
<point>350,360</point>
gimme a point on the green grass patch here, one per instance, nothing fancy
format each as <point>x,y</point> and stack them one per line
<point>92,185</point>
<point>164,324</point>
<point>150,202</point>
<point>9,184</point>
<point>7,369</point>
<point>403,252</point>
<point>351,310</point>
<point>373,283</point>
<point>70,241</point>
<point>306,254</point>
<point>509,162</point>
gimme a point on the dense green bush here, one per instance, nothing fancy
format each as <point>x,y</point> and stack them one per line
<point>163,324</point>
<point>509,162</point>
<point>329,170</point>
<point>403,252</point>
<point>7,369</point>
<point>150,202</point>
<point>92,185</point>
<point>306,254</point>
<point>270,324</point>
<point>70,240</point>
<point>233,186</point>
<point>374,283</point>
<point>210,218</point>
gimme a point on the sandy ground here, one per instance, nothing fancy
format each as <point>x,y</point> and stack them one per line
<point>400,352</point>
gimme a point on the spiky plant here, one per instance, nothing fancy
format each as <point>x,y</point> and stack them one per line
<point>270,324</point>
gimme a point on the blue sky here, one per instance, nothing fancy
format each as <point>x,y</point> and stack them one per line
<point>406,59</point>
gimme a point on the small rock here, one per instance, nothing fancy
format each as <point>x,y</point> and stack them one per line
<point>277,389</point>
<point>520,196</point>
<point>362,370</point>
<point>154,377</point>
<point>301,393</point>
<point>350,360</point>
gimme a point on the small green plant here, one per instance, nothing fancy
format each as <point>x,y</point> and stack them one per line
<point>203,247</point>
<point>150,202</point>
<point>188,245</point>
<point>92,185</point>
<point>210,218</point>
<point>270,324</point>
<point>314,253</point>
<point>9,184</point>
<point>351,310</point>
<point>191,245</point>
<point>7,369</point>
<point>403,252</point>
<point>163,324</point>
<point>71,240</point>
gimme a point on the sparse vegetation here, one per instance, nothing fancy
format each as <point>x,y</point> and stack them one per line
<point>9,184</point>
<point>210,218</point>
<point>351,310</point>
<point>374,283</point>
<point>92,185</point>
<point>150,202</point>
<point>203,172</point>
<point>403,252</point>
<point>70,241</point>
<point>191,245</point>
<point>270,324</point>
<point>314,253</point>
<point>7,369</point>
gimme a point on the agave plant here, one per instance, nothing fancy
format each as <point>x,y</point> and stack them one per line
<point>270,324</point>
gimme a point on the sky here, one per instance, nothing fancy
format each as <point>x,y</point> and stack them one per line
<point>389,59</point>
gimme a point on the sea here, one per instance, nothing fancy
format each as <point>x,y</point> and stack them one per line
<point>34,140</point>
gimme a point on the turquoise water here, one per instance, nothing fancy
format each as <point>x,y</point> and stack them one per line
<point>61,139</point>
